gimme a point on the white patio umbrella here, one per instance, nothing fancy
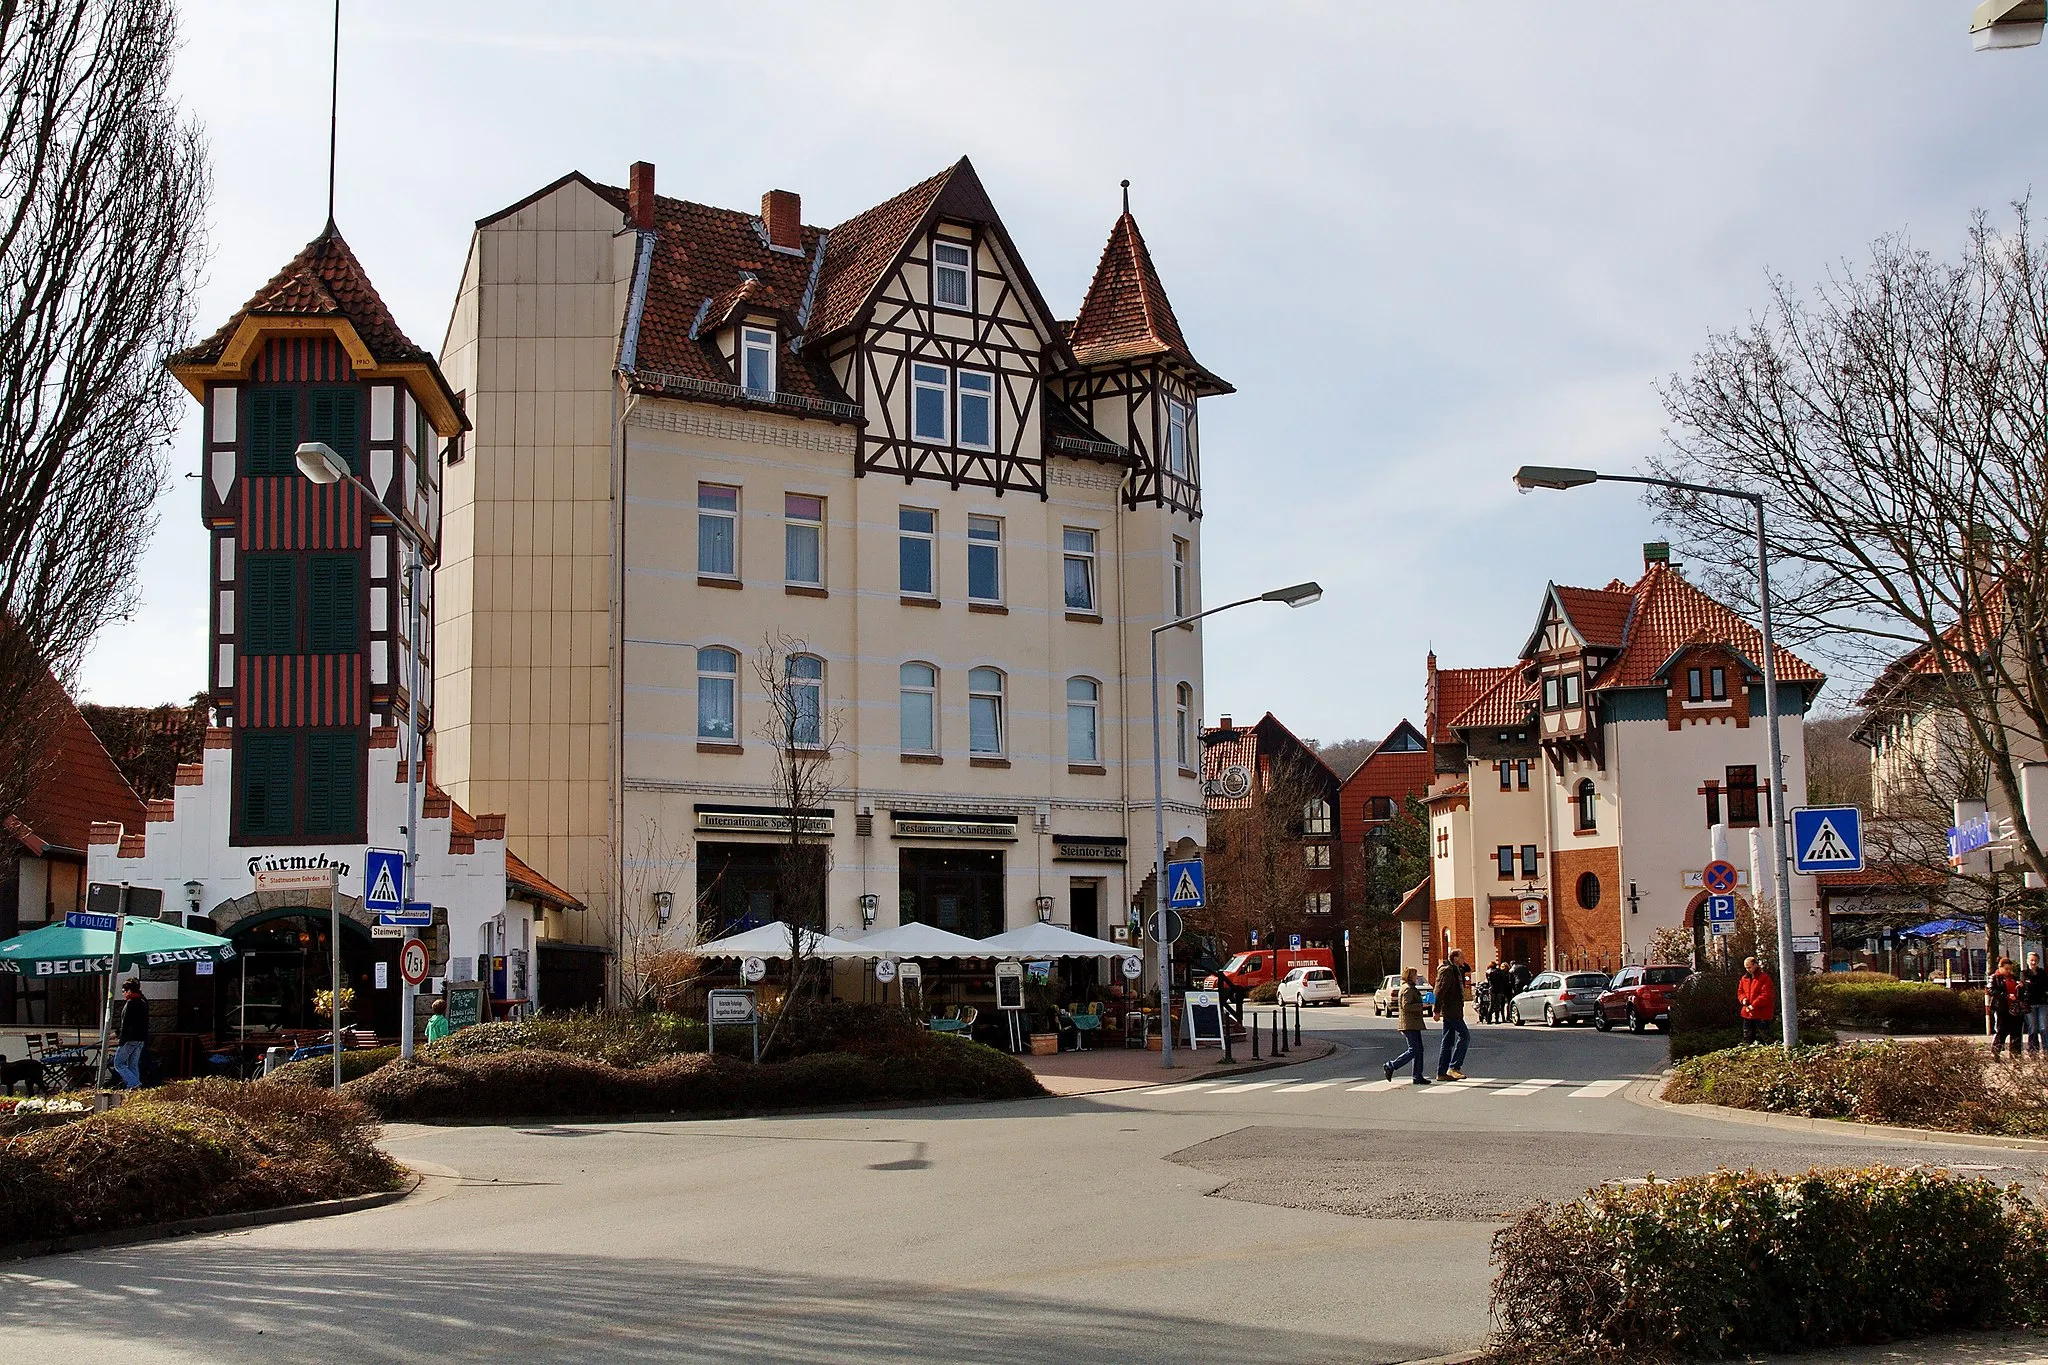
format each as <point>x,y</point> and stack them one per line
<point>1037,942</point>
<point>917,940</point>
<point>772,940</point>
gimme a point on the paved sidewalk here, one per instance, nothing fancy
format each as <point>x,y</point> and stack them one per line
<point>1099,1070</point>
<point>1976,1348</point>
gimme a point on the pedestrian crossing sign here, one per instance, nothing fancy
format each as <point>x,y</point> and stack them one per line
<point>1827,839</point>
<point>383,874</point>
<point>1184,885</point>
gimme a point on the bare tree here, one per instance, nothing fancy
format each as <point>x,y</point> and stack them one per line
<point>102,201</point>
<point>1256,862</point>
<point>1895,421</point>
<point>805,737</point>
<point>657,958</point>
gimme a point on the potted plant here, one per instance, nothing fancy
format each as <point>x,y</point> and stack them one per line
<point>1041,1014</point>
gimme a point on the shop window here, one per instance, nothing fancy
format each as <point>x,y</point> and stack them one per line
<point>958,890</point>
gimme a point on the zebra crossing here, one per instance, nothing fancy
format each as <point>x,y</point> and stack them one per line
<point>1494,1087</point>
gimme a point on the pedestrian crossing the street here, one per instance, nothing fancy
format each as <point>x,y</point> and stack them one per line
<point>1490,1086</point>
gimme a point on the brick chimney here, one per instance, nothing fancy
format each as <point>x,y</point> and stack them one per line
<point>1656,552</point>
<point>640,197</point>
<point>783,212</point>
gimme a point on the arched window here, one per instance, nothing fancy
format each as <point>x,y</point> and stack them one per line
<point>1589,891</point>
<point>1083,702</point>
<point>717,677</point>
<point>1183,723</point>
<point>805,681</point>
<point>985,711</point>
<point>919,704</point>
<point>1589,805</point>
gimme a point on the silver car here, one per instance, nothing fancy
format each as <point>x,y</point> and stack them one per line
<point>1558,998</point>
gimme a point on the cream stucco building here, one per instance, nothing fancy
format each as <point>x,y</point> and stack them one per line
<point>957,517</point>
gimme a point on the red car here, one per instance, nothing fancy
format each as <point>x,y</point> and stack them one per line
<point>1638,997</point>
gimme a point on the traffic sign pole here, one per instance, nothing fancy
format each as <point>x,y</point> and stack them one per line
<point>99,1080</point>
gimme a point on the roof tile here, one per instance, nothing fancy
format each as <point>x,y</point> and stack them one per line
<point>1672,613</point>
<point>1126,314</point>
<point>324,280</point>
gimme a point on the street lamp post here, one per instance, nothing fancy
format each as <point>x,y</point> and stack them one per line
<point>1545,476</point>
<point>1997,25</point>
<point>319,462</point>
<point>1300,595</point>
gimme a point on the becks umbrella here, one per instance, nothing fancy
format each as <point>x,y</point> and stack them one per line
<point>60,950</point>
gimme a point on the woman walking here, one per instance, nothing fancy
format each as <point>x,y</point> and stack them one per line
<point>1411,1029</point>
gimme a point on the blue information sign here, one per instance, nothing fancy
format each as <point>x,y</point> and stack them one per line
<point>82,919</point>
<point>1184,885</point>
<point>1721,909</point>
<point>416,916</point>
<point>1827,839</point>
<point>1969,836</point>
<point>383,880</point>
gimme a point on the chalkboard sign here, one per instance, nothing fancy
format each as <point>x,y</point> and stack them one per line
<point>1009,986</point>
<point>1203,1011</point>
<point>465,1005</point>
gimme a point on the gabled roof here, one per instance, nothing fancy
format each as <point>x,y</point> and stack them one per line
<point>1126,314</point>
<point>77,784</point>
<point>1985,625</point>
<point>1672,614</point>
<point>1503,706</point>
<point>1456,690</point>
<point>324,281</point>
<point>1415,905</point>
<point>463,825</point>
<point>1599,616</point>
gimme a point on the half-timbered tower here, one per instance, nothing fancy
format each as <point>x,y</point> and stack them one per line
<point>1577,789</point>
<point>876,442</point>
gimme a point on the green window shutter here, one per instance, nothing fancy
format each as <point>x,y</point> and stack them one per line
<point>272,440</point>
<point>333,614</point>
<point>332,764</point>
<point>333,417</point>
<point>265,763</point>
<point>269,623</point>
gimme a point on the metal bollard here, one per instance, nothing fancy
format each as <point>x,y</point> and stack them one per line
<point>1255,1035</point>
<point>1280,1020</point>
<point>1297,1021</point>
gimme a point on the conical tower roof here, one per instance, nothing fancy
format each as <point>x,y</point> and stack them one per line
<point>1126,314</point>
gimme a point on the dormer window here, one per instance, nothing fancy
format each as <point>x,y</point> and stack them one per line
<point>952,275</point>
<point>757,360</point>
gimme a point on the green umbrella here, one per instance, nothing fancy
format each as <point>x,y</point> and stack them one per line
<point>60,950</point>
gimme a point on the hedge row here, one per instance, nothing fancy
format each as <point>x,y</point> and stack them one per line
<point>186,1151</point>
<point>1943,1083</point>
<point>526,1083</point>
<point>1896,1006</point>
<point>1737,1262</point>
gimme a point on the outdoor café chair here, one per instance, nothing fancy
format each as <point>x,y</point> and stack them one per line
<point>961,1025</point>
<point>949,1022</point>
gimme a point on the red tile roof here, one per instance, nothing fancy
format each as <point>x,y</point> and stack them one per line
<point>324,280</point>
<point>1503,706</point>
<point>1126,314</point>
<point>1456,690</point>
<point>1416,904</point>
<point>1671,613</point>
<point>865,246</point>
<point>78,784</point>
<point>1988,623</point>
<point>466,829</point>
<point>1599,615</point>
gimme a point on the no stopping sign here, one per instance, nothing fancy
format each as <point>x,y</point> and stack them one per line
<point>412,962</point>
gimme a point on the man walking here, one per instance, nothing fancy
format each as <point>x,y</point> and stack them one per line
<point>2034,1000</point>
<point>1757,997</point>
<point>1411,1029</point>
<point>1450,1007</point>
<point>134,1034</point>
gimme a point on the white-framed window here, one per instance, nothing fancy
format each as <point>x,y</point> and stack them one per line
<point>1079,546</point>
<point>1180,419</point>
<point>917,532</point>
<point>984,559</point>
<point>718,672</point>
<point>918,703</point>
<point>718,530</point>
<point>757,360</point>
<point>804,677</point>
<point>985,711</point>
<point>1317,855</point>
<point>803,540</point>
<point>1571,689</point>
<point>1315,818</point>
<point>1084,699</point>
<point>952,274</point>
<point>930,391</point>
<point>1183,723</point>
<point>977,407</point>
<point>1181,599</point>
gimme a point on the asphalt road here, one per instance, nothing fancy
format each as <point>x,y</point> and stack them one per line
<point>1290,1216</point>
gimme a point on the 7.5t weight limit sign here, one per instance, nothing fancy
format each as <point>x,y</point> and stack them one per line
<point>412,962</point>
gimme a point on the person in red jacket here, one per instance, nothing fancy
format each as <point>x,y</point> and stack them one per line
<point>1757,995</point>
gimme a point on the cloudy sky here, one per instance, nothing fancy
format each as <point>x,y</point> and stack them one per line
<point>1426,249</point>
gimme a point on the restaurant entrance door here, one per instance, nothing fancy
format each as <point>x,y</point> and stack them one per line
<point>1084,916</point>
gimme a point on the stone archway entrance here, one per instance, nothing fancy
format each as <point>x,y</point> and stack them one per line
<point>283,957</point>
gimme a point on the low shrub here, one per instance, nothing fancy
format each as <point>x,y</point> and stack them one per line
<point>1943,1083</point>
<point>1699,1042</point>
<point>189,1150</point>
<point>1896,1006</point>
<point>320,1070</point>
<point>528,1083</point>
<point>1743,1261</point>
<point>1265,993</point>
<point>1706,1018</point>
<point>839,1026</point>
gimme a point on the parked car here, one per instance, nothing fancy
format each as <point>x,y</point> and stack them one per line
<point>1311,986</point>
<point>1639,997</point>
<point>1387,999</point>
<point>1559,998</point>
<point>1260,965</point>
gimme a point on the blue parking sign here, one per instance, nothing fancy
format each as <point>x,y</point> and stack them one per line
<point>1827,839</point>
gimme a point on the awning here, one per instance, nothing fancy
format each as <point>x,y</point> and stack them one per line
<point>772,940</point>
<point>1038,941</point>
<point>1942,928</point>
<point>60,950</point>
<point>918,940</point>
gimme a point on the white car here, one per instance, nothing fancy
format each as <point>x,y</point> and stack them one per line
<point>1311,986</point>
